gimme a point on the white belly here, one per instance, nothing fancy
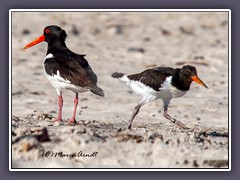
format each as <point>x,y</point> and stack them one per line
<point>167,91</point>
<point>60,84</point>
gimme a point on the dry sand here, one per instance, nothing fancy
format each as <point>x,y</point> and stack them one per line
<point>127,42</point>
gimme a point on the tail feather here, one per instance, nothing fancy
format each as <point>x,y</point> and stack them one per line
<point>117,75</point>
<point>98,91</point>
<point>121,76</point>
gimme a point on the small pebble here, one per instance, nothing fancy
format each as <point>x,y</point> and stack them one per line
<point>136,49</point>
<point>25,32</point>
<point>195,164</point>
<point>75,31</point>
<point>146,39</point>
<point>119,29</point>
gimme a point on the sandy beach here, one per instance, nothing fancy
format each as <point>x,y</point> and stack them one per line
<point>128,42</point>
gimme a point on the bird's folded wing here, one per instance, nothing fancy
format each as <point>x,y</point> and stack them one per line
<point>78,73</point>
<point>153,78</point>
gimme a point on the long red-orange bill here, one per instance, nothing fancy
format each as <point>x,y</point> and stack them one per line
<point>34,42</point>
<point>199,81</point>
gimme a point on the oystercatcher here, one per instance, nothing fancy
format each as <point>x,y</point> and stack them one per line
<point>66,69</point>
<point>160,83</point>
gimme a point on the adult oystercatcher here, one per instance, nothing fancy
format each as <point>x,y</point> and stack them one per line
<point>66,69</point>
<point>160,83</point>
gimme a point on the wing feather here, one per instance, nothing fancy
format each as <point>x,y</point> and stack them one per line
<point>153,78</point>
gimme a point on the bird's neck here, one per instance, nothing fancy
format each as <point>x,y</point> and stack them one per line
<point>57,45</point>
<point>181,83</point>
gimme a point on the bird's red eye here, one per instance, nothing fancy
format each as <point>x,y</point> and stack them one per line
<point>47,31</point>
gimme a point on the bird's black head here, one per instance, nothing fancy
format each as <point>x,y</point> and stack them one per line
<point>188,73</point>
<point>53,35</point>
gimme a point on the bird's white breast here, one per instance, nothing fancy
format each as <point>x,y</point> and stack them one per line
<point>169,90</point>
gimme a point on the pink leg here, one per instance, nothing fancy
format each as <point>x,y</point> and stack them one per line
<point>60,105</point>
<point>135,112</point>
<point>73,120</point>
<point>167,116</point>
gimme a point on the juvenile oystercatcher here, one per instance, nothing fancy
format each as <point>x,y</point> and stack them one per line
<point>160,83</point>
<point>66,69</point>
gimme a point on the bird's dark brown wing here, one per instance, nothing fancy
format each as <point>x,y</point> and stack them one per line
<point>153,78</point>
<point>73,67</point>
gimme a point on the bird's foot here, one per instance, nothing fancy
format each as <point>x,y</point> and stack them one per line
<point>180,124</point>
<point>57,120</point>
<point>130,125</point>
<point>129,128</point>
<point>72,121</point>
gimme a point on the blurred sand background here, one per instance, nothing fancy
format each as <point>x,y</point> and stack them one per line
<point>128,42</point>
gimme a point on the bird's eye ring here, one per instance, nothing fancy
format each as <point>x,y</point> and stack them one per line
<point>188,71</point>
<point>47,31</point>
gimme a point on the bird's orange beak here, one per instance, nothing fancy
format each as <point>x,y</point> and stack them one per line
<point>36,41</point>
<point>199,81</point>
